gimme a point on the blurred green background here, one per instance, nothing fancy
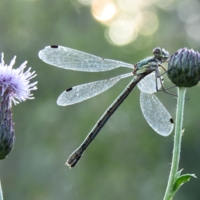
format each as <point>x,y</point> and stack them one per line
<point>127,160</point>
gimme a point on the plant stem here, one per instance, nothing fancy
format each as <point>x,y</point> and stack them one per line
<point>1,193</point>
<point>177,143</point>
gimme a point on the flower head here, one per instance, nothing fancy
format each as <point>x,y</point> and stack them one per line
<point>15,87</point>
<point>184,68</point>
<point>16,82</point>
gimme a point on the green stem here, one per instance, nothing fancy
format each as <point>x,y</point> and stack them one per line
<point>177,143</point>
<point>1,193</point>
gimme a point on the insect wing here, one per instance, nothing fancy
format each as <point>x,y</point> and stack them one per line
<point>83,92</point>
<point>67,58</point>
<point>148,83</point>
<point>156,114</point>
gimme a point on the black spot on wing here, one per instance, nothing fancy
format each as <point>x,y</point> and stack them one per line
<point>171,120</point>
<point>69,89</point>
<point>54,46</point>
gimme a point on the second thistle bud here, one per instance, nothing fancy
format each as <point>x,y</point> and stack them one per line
<point>184,68</point>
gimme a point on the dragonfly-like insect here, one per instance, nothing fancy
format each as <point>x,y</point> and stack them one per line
<point>153,110</point>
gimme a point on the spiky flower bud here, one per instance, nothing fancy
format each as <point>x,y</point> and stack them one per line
<point>15,87</point>
<point>184,68</point>
<point>7,137</point>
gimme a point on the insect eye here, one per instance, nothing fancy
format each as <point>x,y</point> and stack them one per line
<point>157,51</point>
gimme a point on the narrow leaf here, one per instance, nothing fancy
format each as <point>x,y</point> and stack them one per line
<point>180,180</point>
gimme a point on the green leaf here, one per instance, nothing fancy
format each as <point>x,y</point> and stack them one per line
<point>180,180</point>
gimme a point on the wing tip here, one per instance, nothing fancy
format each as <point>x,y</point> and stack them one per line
<point>60,101</point>
<point>42,52</point>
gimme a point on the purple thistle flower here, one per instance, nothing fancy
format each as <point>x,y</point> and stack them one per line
<point>15,87</point>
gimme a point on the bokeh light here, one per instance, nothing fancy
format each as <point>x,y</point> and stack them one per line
<point>166,5</point>
<point>130,5</point>
<point>121,32</point>
<point>149,23</point>
<point>103,10</point>
<point>85,2</point>
<point>193,31</point>
<point>141,17</point>
<point>188,12</point>
<point>126,19</point>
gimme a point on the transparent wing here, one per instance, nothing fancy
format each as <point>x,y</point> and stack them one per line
<point>148,83</point>
<point>67,58</point>
<point>80,93</point>
<point>156,114</point>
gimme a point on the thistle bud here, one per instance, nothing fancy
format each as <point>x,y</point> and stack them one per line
<point>7,137</point>
<point>15,87</point>
<point>184,68</point>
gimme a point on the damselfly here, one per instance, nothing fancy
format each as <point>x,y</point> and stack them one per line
<point>153,110</point>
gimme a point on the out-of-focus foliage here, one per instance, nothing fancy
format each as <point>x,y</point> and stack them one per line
<point>127,160</point>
